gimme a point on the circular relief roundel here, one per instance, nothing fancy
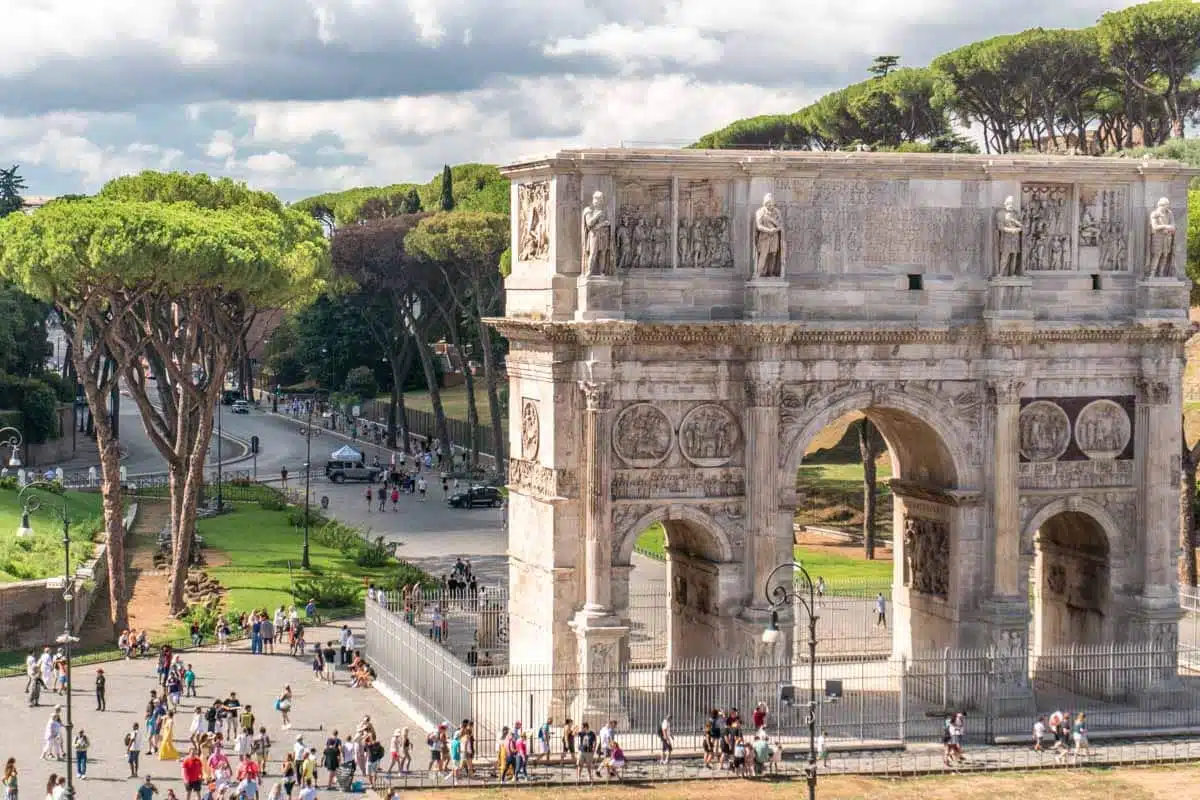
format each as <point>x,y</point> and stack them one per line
<point>1045,431</point>
<point>642,435</point>
<point>531,430</point>
<point>1102,430</point>
<point>709,436</point>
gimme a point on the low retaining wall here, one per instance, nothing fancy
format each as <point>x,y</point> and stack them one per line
<point>32,612</point>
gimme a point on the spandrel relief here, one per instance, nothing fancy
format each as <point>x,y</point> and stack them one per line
<point>643,225</point>
<point>533,203</point>
<point>1046,216</point>
<point>705,231</point>
<point>1103,229</point>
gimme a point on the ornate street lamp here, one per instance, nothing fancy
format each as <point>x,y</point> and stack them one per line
<point>782,595</point>
<point>29,505</point>
<point>13,443</point>
<point>312,404</point>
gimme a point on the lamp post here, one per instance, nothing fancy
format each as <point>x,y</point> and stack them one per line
<point>29,505</point>
<point>780,596</point>
<point>312,404</point>
<point>13,443</point>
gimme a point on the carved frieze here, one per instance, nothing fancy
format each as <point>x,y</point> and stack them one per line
<point>705,233</point>
<point>538,480</point>
<point>1103,229</point>
<point>1152,392</point>
<point>1046,215</point>
<point>646,484</point>
<point>1074,474</point>
<point>1103,429</point>
<point>531,430</point>
<point>533,208</point>
<point>1045,431</point>
<point>927,556</point>
<point>643,225</point>
<point>709,435</point>
<point>642,435</point>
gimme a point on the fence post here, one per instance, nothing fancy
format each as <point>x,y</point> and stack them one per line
<point>903,694</point>
<point>988,704</point>
<point>946,678</point>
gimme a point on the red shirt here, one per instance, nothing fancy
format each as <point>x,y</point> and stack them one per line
<point>193,769</point>
<point>760,717</point>
<point>248,769</point>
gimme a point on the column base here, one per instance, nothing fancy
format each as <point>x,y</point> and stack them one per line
<point>767,299</point>
<point>1009,300</point>
<point>1011,691</point>
<point>1162,300</point>
<point>599,298</point>
<point>600,635</point>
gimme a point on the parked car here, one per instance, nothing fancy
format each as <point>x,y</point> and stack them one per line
<point>241,407</point>
<point>338,471</point>
<point>476,496</point>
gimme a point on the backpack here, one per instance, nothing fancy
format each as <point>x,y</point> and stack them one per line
<point>128,740</point>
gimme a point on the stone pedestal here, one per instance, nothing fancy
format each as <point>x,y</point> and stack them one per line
<point>599,298</point>
<point>1162,300</point>
<point>767,299</point>
<point>1009,299</point>
<point>1011,692</point>
<point>598,690</point>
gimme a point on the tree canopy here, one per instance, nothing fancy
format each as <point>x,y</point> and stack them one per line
<point>1129,77</point>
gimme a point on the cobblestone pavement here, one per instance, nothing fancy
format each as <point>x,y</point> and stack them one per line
<point>256,679</point>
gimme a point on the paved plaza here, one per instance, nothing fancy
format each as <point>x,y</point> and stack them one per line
<point>318,708</point>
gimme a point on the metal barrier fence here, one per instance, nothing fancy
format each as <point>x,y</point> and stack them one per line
<point>464,619</point>
<point>91,478</point>
<point>423,424</point>
<point>425,674</point>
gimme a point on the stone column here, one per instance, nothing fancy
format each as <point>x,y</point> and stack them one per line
<point>1157,429</point>
<point>600,633</point>
<point>1006,511</point>
<point>597,477</point>
<point>1006,612</point>
<point>762,480</point>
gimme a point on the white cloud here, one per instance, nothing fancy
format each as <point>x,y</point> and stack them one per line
<point>272,162</point>
<point>220,146</point>
<point>634,47</point>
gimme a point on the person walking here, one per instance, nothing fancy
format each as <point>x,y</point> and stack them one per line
<point>52,747</point>
<point>146,791</point>
<point>283,704</point>
<point>370,505</point>
<point>101,683</point>
<point>9,781</point>
<point>133,750</point>
<point>880,610</point>
<point>81,744</point>
<point>668,742</point>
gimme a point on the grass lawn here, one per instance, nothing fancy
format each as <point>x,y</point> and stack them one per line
<point>41,555</point>
<point>1132,783</point>
<point>257,554</point>
<point>454,402</point>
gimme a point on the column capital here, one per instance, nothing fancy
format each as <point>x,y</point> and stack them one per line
<point>1153,392</point>
<point>597,394</point>
<point>1005,390</point>
<point>763,392</point>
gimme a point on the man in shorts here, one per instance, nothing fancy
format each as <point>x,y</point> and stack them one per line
<point>193,775</point>
<point>587,752</point>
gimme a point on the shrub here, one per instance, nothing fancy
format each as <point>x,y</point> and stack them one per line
<point>295,518</point>
<point>373,554</point>
<point>329,592</point>
<point>63,389</point>
<point>9,482</point>
<point>405,574</point>
<point>274,503</point>
<point>337,536</point>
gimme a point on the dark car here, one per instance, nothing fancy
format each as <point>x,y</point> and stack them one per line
<point>338,471</point>
<point>476,496</point>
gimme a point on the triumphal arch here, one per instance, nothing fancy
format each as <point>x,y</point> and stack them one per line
<point>683,323</point>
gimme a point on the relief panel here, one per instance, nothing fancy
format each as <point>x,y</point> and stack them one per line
<point>1103,229</point>
<point>705,231</point>
<point>1047,216</point>
<point>1082,429</point>
<point>533,208</point>
<point>643,225</point>
<point>927,556</point>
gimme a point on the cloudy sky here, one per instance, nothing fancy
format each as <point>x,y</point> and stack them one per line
<point>304,96</point>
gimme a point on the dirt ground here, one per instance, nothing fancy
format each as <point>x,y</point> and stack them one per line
<point>827,546</point>
<point>1175,783</point>
<point>147,586</point>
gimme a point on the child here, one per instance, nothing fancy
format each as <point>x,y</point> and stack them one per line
<point>1039,730</point>
<point>823,750</point>
<point>189,681</point>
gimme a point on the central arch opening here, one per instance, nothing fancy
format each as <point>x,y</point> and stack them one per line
<point>874,520</point>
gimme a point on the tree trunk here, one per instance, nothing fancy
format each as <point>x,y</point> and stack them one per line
<point>185,523</point>
<point>489,377</point>
<point>868,448</point>
<point>431,383</point>
<point>393,401</point>
<point>111,500</point>
<point>1187,514</point>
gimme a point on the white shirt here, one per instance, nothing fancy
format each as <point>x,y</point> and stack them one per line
<point>346,638</point>
<point>421,484</point>
<point>30,665</point>
<point>820,743</point>
<point>349,640</point>
<point>1039,729</point>
<point>197,724</point>
<point>279,619</point>
<point>308,793</point>
<point>135,741</point>
<point>606,736</point>
<point>53,729</point>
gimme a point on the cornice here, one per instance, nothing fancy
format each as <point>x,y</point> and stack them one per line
<point>840,164</point>
<point>756,334</point>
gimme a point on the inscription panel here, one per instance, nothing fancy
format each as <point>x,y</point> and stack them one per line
<point>851,225</point>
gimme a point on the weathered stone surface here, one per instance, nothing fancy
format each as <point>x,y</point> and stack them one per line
<point>1032,417</point>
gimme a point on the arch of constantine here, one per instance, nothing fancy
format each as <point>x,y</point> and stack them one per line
<point>683,323</point>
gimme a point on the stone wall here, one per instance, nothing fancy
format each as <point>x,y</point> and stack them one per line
<point>57,450</point>
<point>32,612</point>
